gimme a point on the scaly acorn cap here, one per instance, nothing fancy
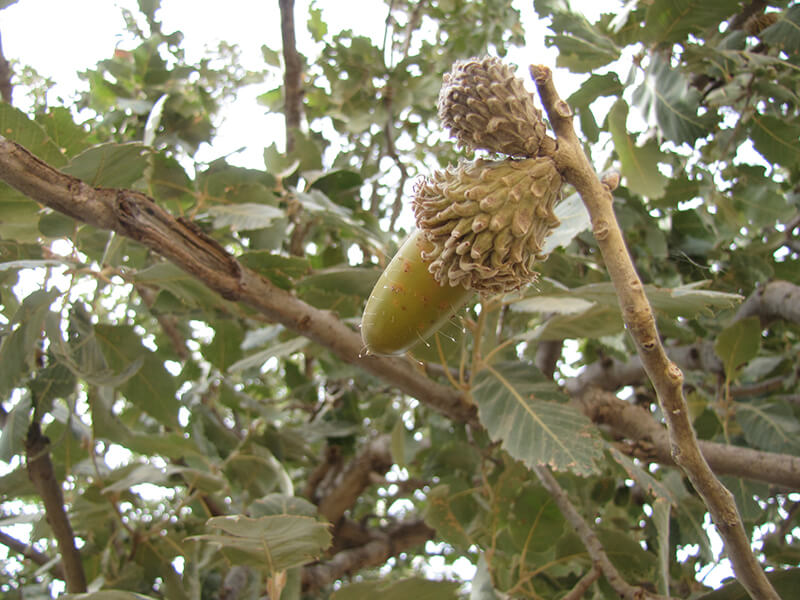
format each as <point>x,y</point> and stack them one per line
<point>486,106</point>
<point>487,221</point>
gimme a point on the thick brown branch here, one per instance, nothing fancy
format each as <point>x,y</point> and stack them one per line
<point>377,551</point>
<point>637,314</point>
<point>775,300</point>
<point>612,374</point>
<point>292,75</point>
<point>634,423</point>
<point>375,458</point>
<point>40,472</point>
<point>589,539</point>
<point>138,217</point>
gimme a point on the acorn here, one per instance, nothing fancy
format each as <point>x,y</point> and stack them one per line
<point>486,106</point>
<point>485,221</point>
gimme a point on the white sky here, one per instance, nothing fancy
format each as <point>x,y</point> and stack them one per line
<point>74,35</point>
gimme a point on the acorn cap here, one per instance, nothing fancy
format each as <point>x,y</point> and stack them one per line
<point>485,105</point>
<point>487,221</point>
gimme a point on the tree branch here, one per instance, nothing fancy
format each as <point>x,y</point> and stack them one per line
<point>637,314</point>
<point>382,546</point>
<point>583,585</point>
<point>776,300</point>
<point>40,472</point>
<point>29,552</point>
<point>375,457</point>
<point>190,249</point>
<point>138,217</point>
<point>292,74</point>
<point>6,87</point>
<point>637,424</point>
<point>612,374</point>
<point>589,539</point>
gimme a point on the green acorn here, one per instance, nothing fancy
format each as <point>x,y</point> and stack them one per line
<point>485,105</point>
<point>486,221</point>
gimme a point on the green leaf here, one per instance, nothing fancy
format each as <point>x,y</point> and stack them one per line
<point>180,284</point>
<point>671,21</point>
<point>689,300</point>
<point>775,138</point>
<point>273,543</point>
<point>69,137</point>
<point>785,33</point>
<point>639,163</point>
<point>341,289</point>
<point>280,270</point>
<point>645,480</point>
<point>574,219</point>
<point>661,519</point>
<point>19,347</point>
<point>19,216</point>
<point>416,588</point>
<point>738,343</point>
<point>633,562</point>
<point>667,97</point>
<point>520,408</point>
<point>281,350</point>
<point>582,46</point>
<point>151,388</point>
<point>107,595</point>
<point>534,520</point>
<point>281,504</point>
<point>449,512</point>
<point>15,428</point>
<point>244,217</point>
<point>110,165</point>
<point>317,27</point>
<point>337,216</point>
<point>769,425</point>
<point>17,126</point>
<point>482,587</point>
<point>226,347</point>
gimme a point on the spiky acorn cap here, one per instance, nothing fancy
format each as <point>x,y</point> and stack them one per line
<point>485,105</point>
<point>486,221</point>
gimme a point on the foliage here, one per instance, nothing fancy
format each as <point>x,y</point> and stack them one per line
<point>201,445</point>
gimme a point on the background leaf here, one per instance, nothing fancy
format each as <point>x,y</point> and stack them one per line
<point>275,542</point>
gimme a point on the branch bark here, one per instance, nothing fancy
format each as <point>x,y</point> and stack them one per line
<point>138,217</point>
<point>374,458</point>
<point>6,87</point>
<point>292,74</point>
<point>637,314</point>
<point>593,545</point>
<point>635,423</point>
<point>377,551</point>
<point>40,472</point>
<point>29,552</point>
<point>776,300</point>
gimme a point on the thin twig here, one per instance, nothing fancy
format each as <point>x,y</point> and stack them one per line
<point>292,74</point>
<point>583,585</point>
<point>589,539</point>
<point>637,313</point>
<point>41,474</point>
<point>6,87</point>
<point>32,554</point>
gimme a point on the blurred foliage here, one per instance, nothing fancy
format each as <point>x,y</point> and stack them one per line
<point>165,404</point>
